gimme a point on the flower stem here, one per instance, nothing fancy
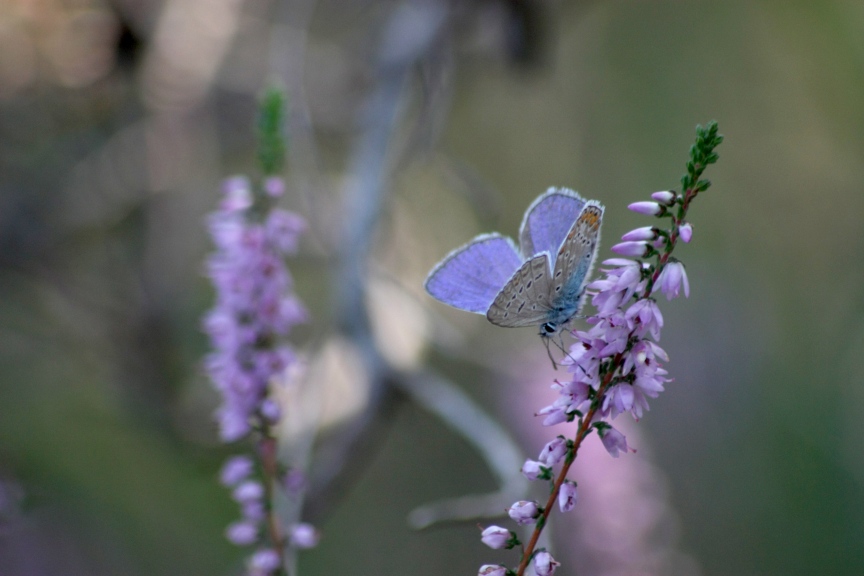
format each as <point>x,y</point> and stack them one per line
<point>267,453</point>
<point>581,434</point>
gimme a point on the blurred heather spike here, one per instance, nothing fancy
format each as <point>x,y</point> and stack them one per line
<point>271,131</point>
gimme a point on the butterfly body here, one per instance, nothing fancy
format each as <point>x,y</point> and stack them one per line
<point>539,284</point>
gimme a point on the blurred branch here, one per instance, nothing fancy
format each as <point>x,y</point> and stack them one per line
<point>457,410</point>
<point>409,35</point>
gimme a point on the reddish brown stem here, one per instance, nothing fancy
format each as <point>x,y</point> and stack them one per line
<point>562,475</point>
<point>267,452</point>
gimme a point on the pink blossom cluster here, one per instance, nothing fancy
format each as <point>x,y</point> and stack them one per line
<point>254,312</point>
<point>255,308</point>
<point>620,352</point>
<point>616,366</point>
<point>249,493</point>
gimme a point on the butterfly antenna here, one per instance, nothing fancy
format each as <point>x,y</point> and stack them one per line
<point>560,344</point>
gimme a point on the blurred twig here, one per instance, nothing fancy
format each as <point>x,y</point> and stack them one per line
<point>410,34</point>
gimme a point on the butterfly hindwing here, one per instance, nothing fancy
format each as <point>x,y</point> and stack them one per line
<point>471,276</point>
<point>524,299</point>
<point>548,220</point>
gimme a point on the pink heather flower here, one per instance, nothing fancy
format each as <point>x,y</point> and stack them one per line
<point>555,413</point>
<point>274,186</point>
<point>567,496</point>
<point>248,491</point>
<point>618,285</point>
<point>647,208</point>
<point>672,277</point>
<point>492,570</point>
<point>233,425</point>
<point>637,249</point>
<point>284,229</point>
<point>545,564</point>
<point>533,470</point>
<point>573,396</point>
<point>644,233</point>
<point>553,451</point>
<point>685,232</point>
<point>238,194</point>
<point>613,441</point>
<point>666,197</point>
<point>254,308</point>
<point>235,470</point>
<point>495,537</point>
<point>265,561</point>
<point>271,411</point>
<point>523,512</point>
<point>253,510</point>
<point>303,536</point>
<point>242,533</point>
<point>618,399</point>
<point>649,374</point>
<point>644,317</point>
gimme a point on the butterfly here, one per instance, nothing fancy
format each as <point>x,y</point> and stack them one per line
<point>540,283</point>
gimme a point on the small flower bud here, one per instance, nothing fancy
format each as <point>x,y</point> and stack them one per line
<point>253,510</point>
<point>613,441</point>
<point>271,411</point>
<point>235,470</point>
<point>238,194</point>
<point>647,208</point>
<point>666,197</point>
<point>685,232</point>
<point>638,249</point>
<point>644,233</point>
<point>303,536</point>
<point>495,537</point>
<point>533,470</point>
<point>266,560</point>
<point>554,451</point>
<point>274,186</point>
<point>242,533</point>
<point>545,564</point>
<point>567,496</point>
<point>523,512</point>
<point>492,570</point>
<point>249,491</point>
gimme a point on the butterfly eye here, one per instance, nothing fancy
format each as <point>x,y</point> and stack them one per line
<point>548,328</point>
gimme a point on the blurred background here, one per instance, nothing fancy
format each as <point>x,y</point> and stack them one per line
<point>119,119</point>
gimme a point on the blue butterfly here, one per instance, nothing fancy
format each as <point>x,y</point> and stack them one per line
<point>541,283</point>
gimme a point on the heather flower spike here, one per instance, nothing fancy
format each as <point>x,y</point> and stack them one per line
<point>616,364</point>
<point>255,311</point>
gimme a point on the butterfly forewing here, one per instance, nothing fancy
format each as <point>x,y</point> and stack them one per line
<point>471,276</point>
<point>548,220</point>
<point>574,260</point>
<point>524,300</point>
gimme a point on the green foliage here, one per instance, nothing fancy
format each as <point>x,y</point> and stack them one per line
<point>701,155</point>
<point>271,131</point>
